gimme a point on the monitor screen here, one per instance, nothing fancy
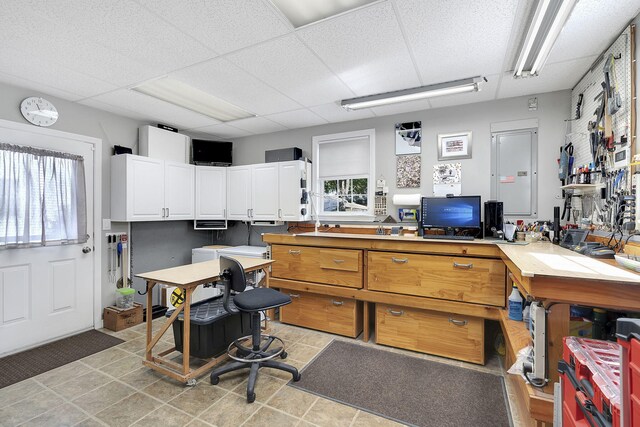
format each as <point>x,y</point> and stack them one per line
<point>451,212</point>
<point>211,152</point>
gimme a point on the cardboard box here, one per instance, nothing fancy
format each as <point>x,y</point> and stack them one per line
<point>117,319</point>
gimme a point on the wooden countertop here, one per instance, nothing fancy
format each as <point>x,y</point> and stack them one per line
<point>201,272</point>
<point>393,238</point>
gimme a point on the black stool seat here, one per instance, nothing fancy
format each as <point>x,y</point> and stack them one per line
<point>260,299</point>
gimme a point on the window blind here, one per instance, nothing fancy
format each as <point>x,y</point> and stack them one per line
<point>344,158</point>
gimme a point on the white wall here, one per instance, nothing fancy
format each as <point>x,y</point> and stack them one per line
<point>553,108</point>
<point>79,119</point>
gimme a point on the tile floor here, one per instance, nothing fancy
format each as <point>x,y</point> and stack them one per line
<point>113,388</point>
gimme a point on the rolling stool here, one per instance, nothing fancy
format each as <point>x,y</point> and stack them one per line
<point>253,301</point>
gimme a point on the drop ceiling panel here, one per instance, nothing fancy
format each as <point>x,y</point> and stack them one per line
<point>149,106</point>
<point>287,65</point>
<point>334,113</point>
<point>558,76</point>
<point>456,39</point>
<point>365,48</point>
<point>403,107</point>
<point>297,119</point>
<point>39,89</point>
<point>135,115</point>
<point>592,27</point>
<point>222,25</point>
<point>257,125</point>
<point>234,85</point>
<point>223,131</point>
<point>488,92</point>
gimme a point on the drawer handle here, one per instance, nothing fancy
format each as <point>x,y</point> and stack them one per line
<point>396,313</point>
<point>334,302</point>
<point>338,261</point>
<point>458,322</point>
<point>292,252</point>
<point>400,260</point>
<point>465,266</point>
<point>294,295</point>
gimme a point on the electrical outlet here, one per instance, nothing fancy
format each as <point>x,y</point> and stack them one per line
<point>106,224</point>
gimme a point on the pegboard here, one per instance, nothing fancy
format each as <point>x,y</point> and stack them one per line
<point>590,86</point>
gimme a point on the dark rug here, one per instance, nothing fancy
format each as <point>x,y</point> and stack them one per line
<point>20,366</point>
<point>406,389</point>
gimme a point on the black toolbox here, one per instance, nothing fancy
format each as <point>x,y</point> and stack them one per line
<point>212,328</point>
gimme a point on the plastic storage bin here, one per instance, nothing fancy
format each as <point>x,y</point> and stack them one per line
<point>212,328</point>
<point>124,298</point>
<point>590,372</point>
<point>628,334</point>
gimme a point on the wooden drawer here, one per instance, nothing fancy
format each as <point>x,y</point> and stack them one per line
<point>465,279</point>
<point>337,315</point>
<point>449,335</point>
<point>342,267</point>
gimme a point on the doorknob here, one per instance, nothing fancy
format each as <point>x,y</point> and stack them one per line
<point>86,250</point>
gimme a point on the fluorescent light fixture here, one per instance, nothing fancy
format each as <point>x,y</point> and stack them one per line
<point>304,12</point>
<point>413,94</point>
<point>545,26</point>
<point>191,98</point>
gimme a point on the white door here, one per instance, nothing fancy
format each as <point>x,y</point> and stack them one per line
<point>264,192</point>
<point>179,190</point>
<point>211,192</point>
<point>289,190</point>
<point>238,192</point>
<point>145,188</point>
<point>48,292</point>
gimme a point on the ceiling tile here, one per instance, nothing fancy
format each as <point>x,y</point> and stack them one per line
<point>457,39</point>
<point>487,93</point>
<point>222,131</point>
<point>257,125</point>
<point>402,107</point>
<point>365,48</point>
<point>222,25</point>
<point>226,81</point>
<point>558,76</point>
<point>151,107</point>
<point>135,115</point>
<point>127,28</point>
<point>592,27</point>
<point>334,113</point>
<point>297,119</point>
<point>287,65</point>
<point>40,89</point>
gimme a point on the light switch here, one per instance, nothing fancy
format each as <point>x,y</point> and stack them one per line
<point>106,224</point>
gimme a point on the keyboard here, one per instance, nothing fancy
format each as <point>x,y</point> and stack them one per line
<point>445,237</point>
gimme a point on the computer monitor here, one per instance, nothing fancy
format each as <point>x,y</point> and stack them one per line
<point>451,212</point>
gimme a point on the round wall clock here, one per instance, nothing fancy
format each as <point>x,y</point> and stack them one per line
<point>39,111</point>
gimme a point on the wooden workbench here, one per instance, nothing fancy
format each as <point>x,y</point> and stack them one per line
<point>186,277</point>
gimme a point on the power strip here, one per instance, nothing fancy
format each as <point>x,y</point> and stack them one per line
<point>538,333</point>
<point>636,189</point>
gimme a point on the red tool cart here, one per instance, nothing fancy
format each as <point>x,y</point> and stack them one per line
<point>591,383</point>
<point>628,333</point>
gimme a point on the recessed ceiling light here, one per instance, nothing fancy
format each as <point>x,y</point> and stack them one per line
<point>191,98</point>
<point>304,12</point>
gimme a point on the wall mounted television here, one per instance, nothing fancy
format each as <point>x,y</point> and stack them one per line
<point>211,153</point>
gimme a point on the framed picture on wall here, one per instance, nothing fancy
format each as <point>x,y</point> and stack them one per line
<point>408,138</point>
<point>454,146</point>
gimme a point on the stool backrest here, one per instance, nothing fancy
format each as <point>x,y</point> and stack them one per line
<point>233,277</point>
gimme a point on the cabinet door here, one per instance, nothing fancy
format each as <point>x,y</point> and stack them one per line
<point>264,192</point>
<point>238,192</point>
<point>145,188</point>
<point>179,189</point>
<point>289,190</point>
<point>211,192</point>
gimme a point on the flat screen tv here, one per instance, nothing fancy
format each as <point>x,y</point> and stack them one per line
<point>211,153</point>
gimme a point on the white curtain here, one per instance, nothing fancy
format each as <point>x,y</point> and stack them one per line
<point>42,197</point>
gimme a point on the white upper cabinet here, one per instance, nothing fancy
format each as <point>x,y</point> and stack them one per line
<point>211,192</point>
<point>179,191</point>
<point>264,192</point>
<point>238,192</point>
<point>292,185</point>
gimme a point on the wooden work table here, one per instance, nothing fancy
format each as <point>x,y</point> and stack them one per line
<point>186,277</point>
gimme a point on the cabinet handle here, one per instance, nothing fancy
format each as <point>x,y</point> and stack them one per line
<point>466,266</point>
<point>400,260</point>
<point>292,252</point>
<point>396,313</point>
<point>167,212</point>
<point>164,212</point>
<point>224,213</point>
<point>334,302</point>
<point>251,213</point>
<point>248,214</point>
<point>279,213</point>
<point>294,295</point>
<point>458,322</point>
<point>338,261</point>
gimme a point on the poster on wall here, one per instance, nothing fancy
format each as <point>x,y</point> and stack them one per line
<point>447,179</point>
<point>408,171</point>
<point>408,138</point>
<point>454,146</point>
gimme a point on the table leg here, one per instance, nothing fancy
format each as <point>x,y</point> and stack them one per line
<point>150,286</point>
<point>186,327</point>
<point>557,328</point>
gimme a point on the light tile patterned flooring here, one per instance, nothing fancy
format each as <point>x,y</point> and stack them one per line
<point>113,388</point>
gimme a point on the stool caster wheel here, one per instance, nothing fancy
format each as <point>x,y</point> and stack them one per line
<point>297,377</point>
<point>283,355</point>
<point>215,380</point>
<point>251,397</point>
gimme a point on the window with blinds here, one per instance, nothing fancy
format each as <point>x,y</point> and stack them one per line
<point>344,170</point>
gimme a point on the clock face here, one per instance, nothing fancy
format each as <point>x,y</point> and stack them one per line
<point>39,111</point>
